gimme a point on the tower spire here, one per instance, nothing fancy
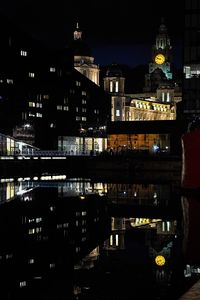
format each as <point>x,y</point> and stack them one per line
<point>77,32</point>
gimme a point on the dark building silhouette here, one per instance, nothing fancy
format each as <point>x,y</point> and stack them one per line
<point>190,107</point>
<point>43,99</point>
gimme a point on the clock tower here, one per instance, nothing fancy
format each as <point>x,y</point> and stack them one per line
<point>160,67</point>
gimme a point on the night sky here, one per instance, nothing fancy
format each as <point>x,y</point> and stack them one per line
<point>120,34</point>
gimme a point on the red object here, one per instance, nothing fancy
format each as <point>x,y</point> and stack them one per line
<point>191,160</point>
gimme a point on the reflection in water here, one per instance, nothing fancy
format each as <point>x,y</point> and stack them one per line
<point>42,236</point>
<point>78,239</point>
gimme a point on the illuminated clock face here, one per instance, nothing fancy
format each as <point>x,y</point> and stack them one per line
<point>159,59</point>
<point>160,260</point>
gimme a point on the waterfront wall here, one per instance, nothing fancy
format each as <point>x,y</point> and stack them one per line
<point>82,165</point>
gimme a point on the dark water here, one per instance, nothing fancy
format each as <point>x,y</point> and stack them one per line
<point>75,238</point>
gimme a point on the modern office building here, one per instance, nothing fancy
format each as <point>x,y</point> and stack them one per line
<point>190,108</point>
<point>44,101</point>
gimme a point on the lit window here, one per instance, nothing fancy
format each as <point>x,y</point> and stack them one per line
<point>32,75</point>
<point>38,115</point>
<point>22,283</point>
<point>9,81</point>
<point>117,113</point>
<point>31,104</point>
<point>72,91</point>
<point>111,86</point>
<point>78,83</point>
<point>84,119</point>
<point>23,53</point>
<point>83,93</point>
<point>66,100</point>
<point>168,97</point>
<point>66,108</point>
<point>117,87</point>
<point>78,118</point>
<point>77,109</point>
<point>45,96</point>
<point>39,105</point>
<point>59,107</point>
<point>52,69</point>
<point>84,101</point>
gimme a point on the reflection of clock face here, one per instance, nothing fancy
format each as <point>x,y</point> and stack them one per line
<point>160,260</point>
<point>159,59</point>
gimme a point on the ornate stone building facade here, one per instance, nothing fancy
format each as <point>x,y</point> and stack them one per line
<point>160,67</point>
<point>160,94</point>
<point>83,59</point>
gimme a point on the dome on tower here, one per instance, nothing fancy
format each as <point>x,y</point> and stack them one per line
<point>81,49</point>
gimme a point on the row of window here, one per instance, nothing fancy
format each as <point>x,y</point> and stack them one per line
<point>192,71</point>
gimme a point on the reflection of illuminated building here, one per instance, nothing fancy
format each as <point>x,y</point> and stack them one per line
<point>139,194</point>
<point>67,227</point>
<point>116,239</point>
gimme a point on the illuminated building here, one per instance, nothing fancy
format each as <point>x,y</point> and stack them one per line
<point>158,103</point>
<point>160,95</point>
<point>83,59</point>
<point>160,68</point>
<point>114,84</point>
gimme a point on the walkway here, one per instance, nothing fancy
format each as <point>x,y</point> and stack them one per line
<point>193,293</point>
